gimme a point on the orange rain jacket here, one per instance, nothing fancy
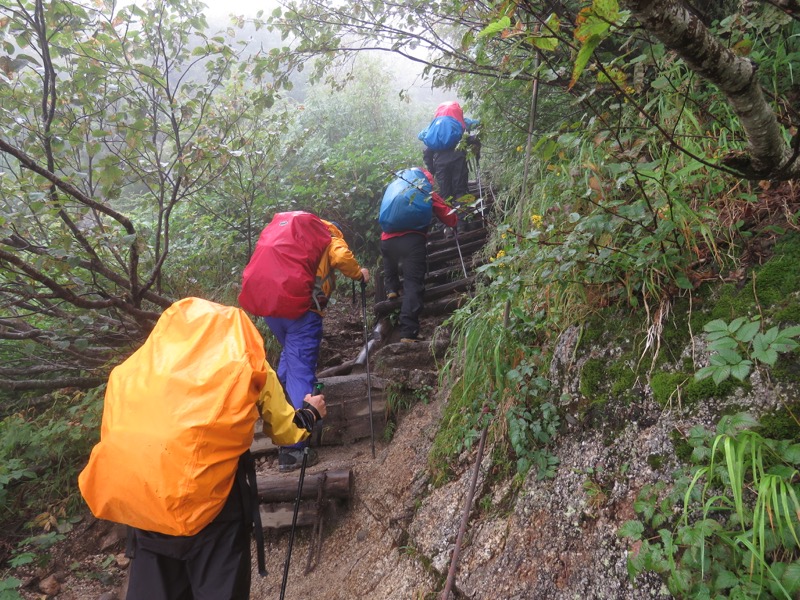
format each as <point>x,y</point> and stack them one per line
<point>339,257</point>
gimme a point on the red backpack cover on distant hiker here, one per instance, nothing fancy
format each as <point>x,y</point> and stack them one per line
<point>177,416</point>
<point>279,279</point>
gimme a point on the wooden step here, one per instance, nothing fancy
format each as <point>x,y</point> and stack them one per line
<point>436,293</point>
<point>348,418</point>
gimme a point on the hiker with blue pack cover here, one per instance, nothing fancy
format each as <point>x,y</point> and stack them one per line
<point>441,155</point>
<point>407,208</point>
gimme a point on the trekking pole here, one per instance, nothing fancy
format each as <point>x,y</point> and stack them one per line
<point>460,256</point>
<point>369,378</point>
<point>451,573</point>
<point>294,521</point>
<point>316,432</point>
<point>480,188</point>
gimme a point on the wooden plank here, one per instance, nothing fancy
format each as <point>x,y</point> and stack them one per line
<point>463,238</point>
<point>338,483</point>
<point>386,307</point>
<point>279,516</point>
<point>448,254</point>
<point>348,412</point>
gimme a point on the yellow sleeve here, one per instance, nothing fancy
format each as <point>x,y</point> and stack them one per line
<point>277,413</point>
<point>342,258</point>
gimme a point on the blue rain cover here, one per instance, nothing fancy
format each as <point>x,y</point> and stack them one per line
<point>443,133</point>
<point>407,202</point>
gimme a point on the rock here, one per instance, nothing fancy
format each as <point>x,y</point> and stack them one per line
<point>122,561</point>
<point>49,585</point>
<point>116,534</point>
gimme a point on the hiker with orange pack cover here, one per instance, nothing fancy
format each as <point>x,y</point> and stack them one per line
<point>173,462</point>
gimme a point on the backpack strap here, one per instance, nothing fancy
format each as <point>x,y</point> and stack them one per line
<point>246,475</point>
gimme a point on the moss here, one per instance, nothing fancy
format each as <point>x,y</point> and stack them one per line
<point>730,302</point>
<point>594,328</point>
<point>683,449</point>
<point>622,377</point>
<point>780,424</point>
<point>593,374</point>
<point>656,461</point>
<point>664,386</point>
<point>676,334</point>
<point>788,314</point>
<point>787,367</point>
<point>696,391</point>
<point>780,276</point>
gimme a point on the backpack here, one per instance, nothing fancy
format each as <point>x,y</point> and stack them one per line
<point>279,279</point>
<point>178,414</point>
<point>407,203</point>
<point>446,129</point>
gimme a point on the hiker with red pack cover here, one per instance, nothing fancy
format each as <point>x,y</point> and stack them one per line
<point>407,207</point>
<point>173,462</point>
<point>293,267</point>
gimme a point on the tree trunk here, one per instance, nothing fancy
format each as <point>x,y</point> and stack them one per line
<point>736,76</point>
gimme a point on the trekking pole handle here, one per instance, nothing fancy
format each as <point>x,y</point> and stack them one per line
<point>316,433</point>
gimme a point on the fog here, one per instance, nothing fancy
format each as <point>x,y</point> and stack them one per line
<point>406,74</point>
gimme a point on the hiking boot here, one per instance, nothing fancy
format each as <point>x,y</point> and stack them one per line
<point>410,339</point>
<point>290,459</point>
<point>392,296</point>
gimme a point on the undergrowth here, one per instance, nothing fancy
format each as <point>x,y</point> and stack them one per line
<point>41,453</point>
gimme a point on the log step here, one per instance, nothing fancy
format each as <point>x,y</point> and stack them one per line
<point>348,412</point>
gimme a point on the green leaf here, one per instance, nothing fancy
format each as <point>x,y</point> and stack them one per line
<point>793,331</point>
<point>495,27</point>
<point>742,370</point>
<point>736,324</point>
<point>583,58</point>
<point>723,343</point>
<point>715,325</point>
<point>748,331</point>
<point>725,580</point>
<point>768,356</point>
<point>683,282</point>
<point>544,42</point>
<point>721,374</point>
<point>631,529</point>
<point>792,454</point>
<point>606,9</point>
<point>704,373</point>
<point>730,357</point>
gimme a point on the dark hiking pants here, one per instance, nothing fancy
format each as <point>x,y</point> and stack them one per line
<point>406,255</point>
<point>213,564</point>
<point>451,173</point>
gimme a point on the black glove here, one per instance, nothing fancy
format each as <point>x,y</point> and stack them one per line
<point>306,417</point>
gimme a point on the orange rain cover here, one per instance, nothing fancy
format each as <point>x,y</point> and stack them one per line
<point>178,414</point>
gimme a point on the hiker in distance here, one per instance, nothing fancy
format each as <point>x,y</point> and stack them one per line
<point>173,462</point>
<point>441,154</point>
<point>289,281</point>
<point>407,208</point>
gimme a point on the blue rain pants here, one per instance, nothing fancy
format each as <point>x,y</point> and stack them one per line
<point>297,368</point>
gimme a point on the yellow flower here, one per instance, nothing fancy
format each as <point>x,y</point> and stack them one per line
<point>501,254</point>
<point>536,220</point>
